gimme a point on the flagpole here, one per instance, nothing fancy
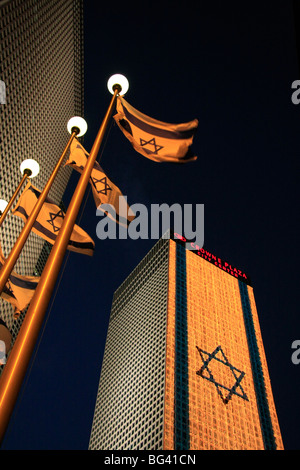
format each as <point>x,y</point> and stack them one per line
<point>16,250</point>
<point>19,358</point>
<point>26,174</point>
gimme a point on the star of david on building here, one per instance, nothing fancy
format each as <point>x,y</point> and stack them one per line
<point>53,216</point>
<point>152,143</point>
<point>206,373</point>
<point>105,186</point>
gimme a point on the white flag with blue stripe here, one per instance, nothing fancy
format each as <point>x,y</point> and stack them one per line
<point>49,221</point>
<point>157,140</point>
<point>18,289</point>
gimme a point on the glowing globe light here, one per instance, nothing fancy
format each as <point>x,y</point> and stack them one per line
<point>3,205</point>
<point>79,123</point>
<point>120,80</point>
<point>30,165</point>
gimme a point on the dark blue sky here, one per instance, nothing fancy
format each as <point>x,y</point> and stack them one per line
<point>231,65</point>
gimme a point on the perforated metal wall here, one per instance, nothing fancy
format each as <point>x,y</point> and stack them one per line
<point>42,68</point>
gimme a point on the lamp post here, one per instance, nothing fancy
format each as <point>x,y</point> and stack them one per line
<point>77,127</point>
<point>29,169</point>
<point>15,369</point>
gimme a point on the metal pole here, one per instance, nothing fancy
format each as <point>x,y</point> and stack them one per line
<point>16,250</point>
<point>19,358</point>
<point>26,174</point>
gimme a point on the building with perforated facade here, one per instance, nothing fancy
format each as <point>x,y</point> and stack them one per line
<point>184,366</point>
<point>42,72</point>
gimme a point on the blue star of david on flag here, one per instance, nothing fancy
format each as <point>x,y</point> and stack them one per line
<point>104,185</point>
<point>205,373</point>
<point>53,217</point>
<point>152,143</point>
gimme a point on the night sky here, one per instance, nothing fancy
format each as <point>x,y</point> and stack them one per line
<point>230,65</point>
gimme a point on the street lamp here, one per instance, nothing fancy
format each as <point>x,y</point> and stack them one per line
<point>19,358</point>
<point>29,169</point>
<point>118,81</point>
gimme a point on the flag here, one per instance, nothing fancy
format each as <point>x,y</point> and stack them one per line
<point>159,141</point>
<point>104,190</point>
<point>18,289</point>
<point>50,220</point>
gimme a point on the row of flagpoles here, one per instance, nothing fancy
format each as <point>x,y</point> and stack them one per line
<point>159,141</point>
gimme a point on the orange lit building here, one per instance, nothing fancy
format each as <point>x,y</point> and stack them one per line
<point>184,366</point>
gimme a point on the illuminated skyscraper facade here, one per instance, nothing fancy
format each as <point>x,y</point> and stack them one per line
<point>42,72</point>
<point>184,366</point>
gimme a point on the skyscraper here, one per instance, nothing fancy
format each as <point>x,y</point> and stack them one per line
<point>42,73</point>
<point>184,366</point>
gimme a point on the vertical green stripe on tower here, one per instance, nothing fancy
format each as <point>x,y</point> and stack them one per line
<point>181,420</point>
<point>258,376</point>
